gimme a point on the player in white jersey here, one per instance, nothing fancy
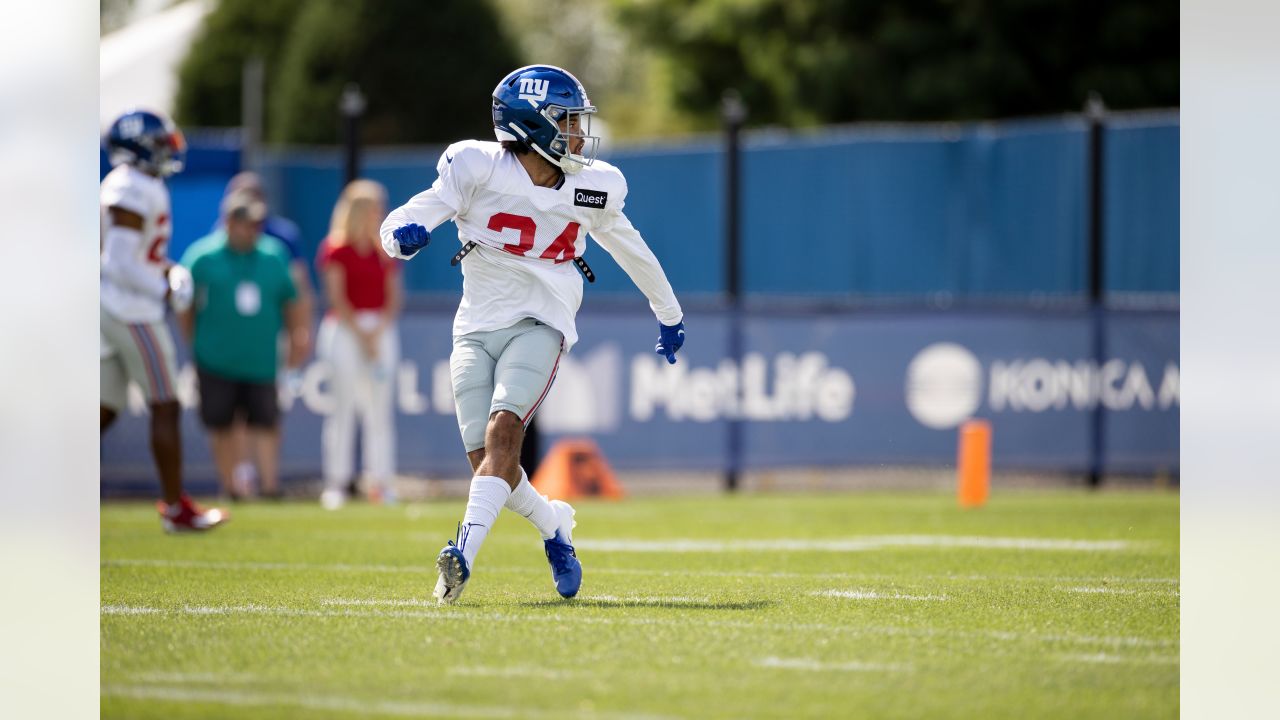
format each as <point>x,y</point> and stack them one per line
<point>137,281</point>
<point>523,207</point>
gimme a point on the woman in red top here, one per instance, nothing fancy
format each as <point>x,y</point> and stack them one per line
<point>358,340</point>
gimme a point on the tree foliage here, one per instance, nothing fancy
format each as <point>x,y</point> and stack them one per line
<point>209,78</point>
<point>425,68</point>
<point>802,62</point>
<point>618,70</point>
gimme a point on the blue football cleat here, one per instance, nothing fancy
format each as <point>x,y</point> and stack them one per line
<point>454,574</point>
<point>565,568</point>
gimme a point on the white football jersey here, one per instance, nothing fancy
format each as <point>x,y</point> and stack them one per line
<point>527,235</point>
<point>136,294</point>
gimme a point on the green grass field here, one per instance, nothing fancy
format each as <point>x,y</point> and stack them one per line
<point>886,605</point>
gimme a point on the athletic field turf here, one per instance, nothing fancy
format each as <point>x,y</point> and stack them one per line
<point>1041,605</point>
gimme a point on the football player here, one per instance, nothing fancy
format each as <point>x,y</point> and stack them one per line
<point>523,206</point>
<point>137,281</point>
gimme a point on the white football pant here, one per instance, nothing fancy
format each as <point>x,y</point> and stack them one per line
<point>361,389</point>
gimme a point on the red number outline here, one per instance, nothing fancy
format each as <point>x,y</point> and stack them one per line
<point>526,226</point>
<point>562,249</point>
<point>156,253</point>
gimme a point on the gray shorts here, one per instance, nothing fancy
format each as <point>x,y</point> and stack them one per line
<point>139,352</point>
<point>509,369</point>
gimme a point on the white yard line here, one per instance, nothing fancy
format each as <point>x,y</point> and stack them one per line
<point>341,703</point>
<point>535,567</point>
<point>1113,640</point>
<point>178,678</point>
<point>127,610</point>
<point>1099,590</point>
<point>376,603</point>
<point>1110,589</point>
<point>853,544</point>
<point>301,612</point>
<point>873,595</point>
<point>646,600</point>
<point>516,672</point>
<point>1106,659</point>
<point>1057,579</point>
<point>628,599</point>
<point>818,665</point>
<point>250,608</point>
<point>464,614</point>
<point>426,567</point>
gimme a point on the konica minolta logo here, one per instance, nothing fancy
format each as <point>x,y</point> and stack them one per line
<point>590,198</point>
<point>946,385</point>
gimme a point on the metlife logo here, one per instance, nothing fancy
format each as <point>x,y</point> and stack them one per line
<point>784,387</point>
<point>587,396</point>
<point>945,383</point>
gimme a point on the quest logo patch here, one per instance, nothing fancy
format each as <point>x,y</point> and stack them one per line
<point>590,198</point>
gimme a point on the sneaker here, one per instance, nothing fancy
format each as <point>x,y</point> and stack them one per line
<point>565,568</point>
<point>333,498</point>
<point>454,574</point>
<point>189,517</point>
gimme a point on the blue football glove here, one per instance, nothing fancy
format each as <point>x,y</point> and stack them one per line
<point>412,238</point>
<point>670,338</point>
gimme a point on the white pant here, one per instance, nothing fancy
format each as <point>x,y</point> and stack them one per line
<point>363,387</point>
<point>509,369</point>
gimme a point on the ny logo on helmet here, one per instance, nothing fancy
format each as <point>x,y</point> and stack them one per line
<point>131,126</point>
<point>534,90</point>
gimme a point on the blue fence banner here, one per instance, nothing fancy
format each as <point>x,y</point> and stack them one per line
<point>830,390</point>
<point>966,210</point>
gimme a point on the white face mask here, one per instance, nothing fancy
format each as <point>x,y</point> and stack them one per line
<point>577,128</point>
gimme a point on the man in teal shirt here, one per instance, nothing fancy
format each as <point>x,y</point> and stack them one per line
<point>244,297</point>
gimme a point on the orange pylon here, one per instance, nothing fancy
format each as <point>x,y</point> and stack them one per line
<point>575,467</point>
<point>973,464</point>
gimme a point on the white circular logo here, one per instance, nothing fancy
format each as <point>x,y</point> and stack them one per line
<point>944,385</point>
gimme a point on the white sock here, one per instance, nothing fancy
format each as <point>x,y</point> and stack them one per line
<point>536,508</point>
<point>488,493</point>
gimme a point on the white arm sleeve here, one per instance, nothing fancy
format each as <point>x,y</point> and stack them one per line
<point>426,209</point>
<point>626,246</point>
<point>448,197</point>
<point>120,251</point>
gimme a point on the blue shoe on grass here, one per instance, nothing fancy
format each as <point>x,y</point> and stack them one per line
<point>454,574</point>
<point>565,568</point>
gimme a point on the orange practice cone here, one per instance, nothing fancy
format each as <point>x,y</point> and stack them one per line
<point>973,465</point>
<point>576,468</point>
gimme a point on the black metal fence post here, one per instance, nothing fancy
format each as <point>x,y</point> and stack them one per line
<point>252,75</point>
<point>1096,111</point>
<point>733,112</point>
<point>352,106</point>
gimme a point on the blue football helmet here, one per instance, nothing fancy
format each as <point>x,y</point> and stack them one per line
<point>529,106</point>
<point>147,140</point>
